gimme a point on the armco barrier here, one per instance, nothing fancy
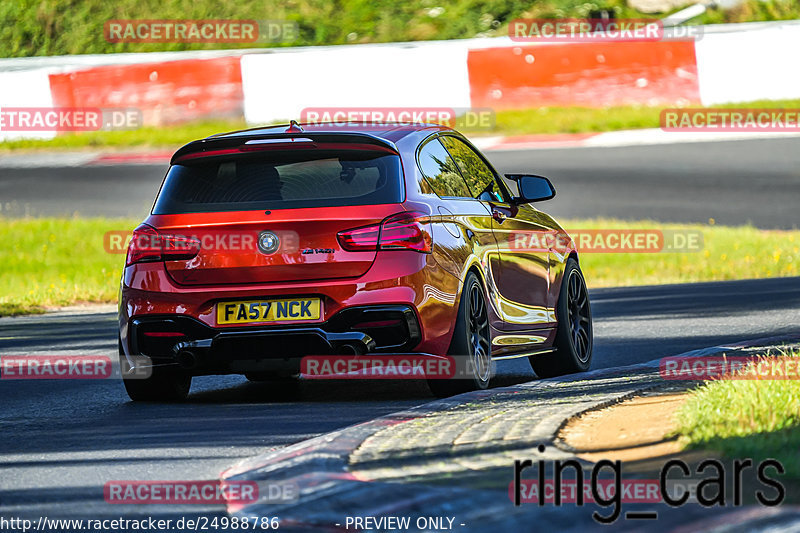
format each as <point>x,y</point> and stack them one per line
<point>279,86</point>
<point>588,74</point>
<point>25,88</point>
<point>730,63</point>
<point>167,92</point>
<point>756,62</point>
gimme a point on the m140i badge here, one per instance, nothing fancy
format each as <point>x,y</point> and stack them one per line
<point>268,242</point>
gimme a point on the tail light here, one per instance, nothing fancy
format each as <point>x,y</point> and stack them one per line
<point>148,245</point>
<point>404,231</point>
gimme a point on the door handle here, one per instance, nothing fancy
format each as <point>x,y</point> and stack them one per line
<point>499,216</point>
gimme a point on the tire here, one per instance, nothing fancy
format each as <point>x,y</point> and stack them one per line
<point>471,345</point>
<point>165,384</point>
<point>573,341</point>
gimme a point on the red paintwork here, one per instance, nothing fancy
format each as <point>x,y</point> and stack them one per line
<point>596,74</point>
<point>463,233</point>
<point>165,92</point>
<point>314,228</point>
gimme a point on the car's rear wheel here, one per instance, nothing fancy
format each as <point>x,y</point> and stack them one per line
<point>574,335</point>
<point>470,347</point>
<point>165,383</point>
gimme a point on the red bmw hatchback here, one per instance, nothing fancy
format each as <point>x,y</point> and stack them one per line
<point>269,244</point>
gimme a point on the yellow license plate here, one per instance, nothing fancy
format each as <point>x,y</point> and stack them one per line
<point>283,310</point>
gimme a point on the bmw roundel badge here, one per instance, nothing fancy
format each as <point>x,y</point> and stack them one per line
<point>268,242</point>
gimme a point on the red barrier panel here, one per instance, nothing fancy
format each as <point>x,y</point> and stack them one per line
<point>588,74</point>
<point>169,92</point>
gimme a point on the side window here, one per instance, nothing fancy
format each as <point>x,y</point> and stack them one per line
<point>441,171</point>
<point>478,176</point>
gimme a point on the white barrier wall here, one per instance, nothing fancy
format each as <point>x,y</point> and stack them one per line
<point>279,86</point>
<point>762,63</point>
<point>25,88</point>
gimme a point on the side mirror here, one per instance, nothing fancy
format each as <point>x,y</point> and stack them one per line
<point>532,188</point>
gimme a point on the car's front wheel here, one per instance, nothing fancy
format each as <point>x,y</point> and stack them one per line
<point>164,384</point>
<point>574,337</point>
<point>471,345</point>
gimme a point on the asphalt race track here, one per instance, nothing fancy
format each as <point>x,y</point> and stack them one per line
<point>62,440</point>
<point>733,182</point>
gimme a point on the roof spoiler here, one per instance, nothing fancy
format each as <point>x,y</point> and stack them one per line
<point>299,140</point>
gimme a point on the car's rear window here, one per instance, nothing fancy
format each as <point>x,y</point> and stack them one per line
<point>281,181</point>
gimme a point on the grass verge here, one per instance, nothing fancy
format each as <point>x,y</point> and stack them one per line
<point>727,253</point>
<point>169,137</point>
<point>50,262</point>
<point>56,27</point>
<point>551,120</point>
<point>756,419</point>
<point>544,120</point>
<point>57,261</point>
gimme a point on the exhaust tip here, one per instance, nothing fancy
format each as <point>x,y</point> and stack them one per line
<point>186,359</point>
<point>349,348</point>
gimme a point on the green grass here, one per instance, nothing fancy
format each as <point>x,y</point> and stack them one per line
<point>166,137</point>
<point>728,253</point>
<point>548,120</point>
<point>57,261</point>
<point>545,120</point>
<point>47,262</point>
<point>755,419</point>
<point>55,27</point>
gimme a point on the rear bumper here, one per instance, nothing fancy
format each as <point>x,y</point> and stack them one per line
<point>221,352</point>
<point>402,281</point>
<point>169,339</point>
